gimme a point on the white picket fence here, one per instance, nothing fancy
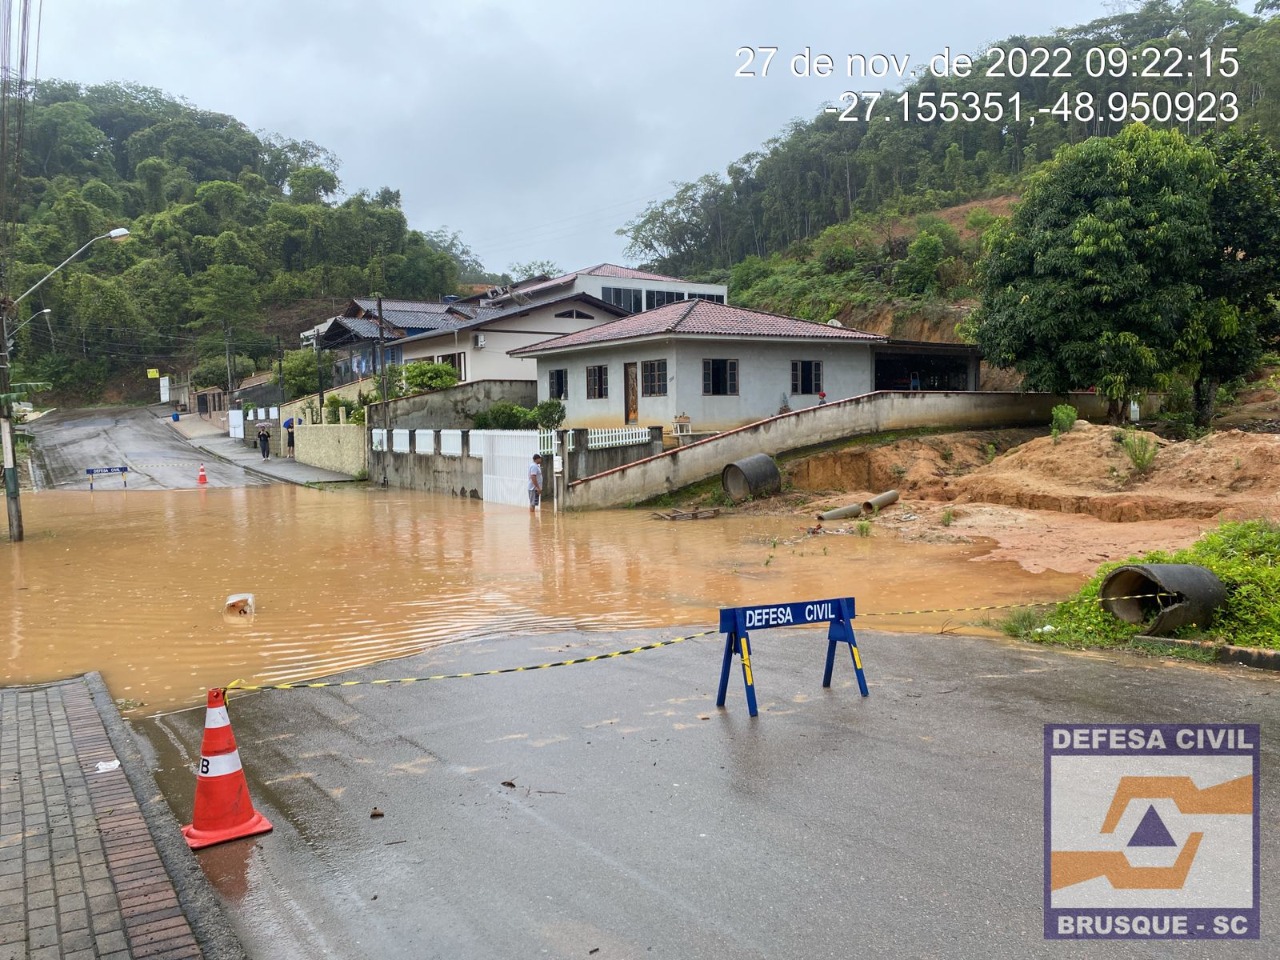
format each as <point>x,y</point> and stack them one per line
<point>451,440</point>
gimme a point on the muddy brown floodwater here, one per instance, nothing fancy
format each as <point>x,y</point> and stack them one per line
<point>133,585</point>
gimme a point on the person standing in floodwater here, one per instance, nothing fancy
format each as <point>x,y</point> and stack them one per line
<point>535,482</point>
<point>264,442</point>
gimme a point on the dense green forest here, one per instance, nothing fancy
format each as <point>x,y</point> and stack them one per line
<point>232,235</point>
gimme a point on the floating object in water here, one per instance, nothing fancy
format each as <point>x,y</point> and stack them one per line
<point>239,606</point>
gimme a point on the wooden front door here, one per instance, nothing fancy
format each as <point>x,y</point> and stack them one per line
<point>632,393</point>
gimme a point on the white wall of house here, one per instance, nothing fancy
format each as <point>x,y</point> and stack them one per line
<point>595,286</point>
<point>763,373</point>
<point>490,361</point>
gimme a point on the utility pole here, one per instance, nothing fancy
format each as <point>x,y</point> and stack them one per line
<point>386,409</point>
<point>280,367</point>
<point>319,377</point>
<point>6,434</point>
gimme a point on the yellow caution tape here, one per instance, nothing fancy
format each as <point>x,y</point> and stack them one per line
<point>1007,606</point>
<point>241,685</point>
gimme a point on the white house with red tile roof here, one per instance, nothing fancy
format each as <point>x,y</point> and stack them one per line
<point>633,290</point>
<point>724,366</point>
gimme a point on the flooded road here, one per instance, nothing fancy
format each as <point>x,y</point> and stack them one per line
<point>133,584</point>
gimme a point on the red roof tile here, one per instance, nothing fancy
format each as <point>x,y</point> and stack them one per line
<point>700,318</point>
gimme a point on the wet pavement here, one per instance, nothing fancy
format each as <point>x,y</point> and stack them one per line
<point>609,809</point>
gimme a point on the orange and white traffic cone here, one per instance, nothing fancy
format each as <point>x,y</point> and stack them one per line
<point>200,477</point>
<point>223,810</point>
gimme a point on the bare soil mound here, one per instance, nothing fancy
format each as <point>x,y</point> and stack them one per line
<point>1226,475</point>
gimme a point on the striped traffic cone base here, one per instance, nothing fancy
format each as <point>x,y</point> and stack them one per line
<point>223,810</point>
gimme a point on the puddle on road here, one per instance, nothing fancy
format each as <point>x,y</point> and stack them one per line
<point>134,585</point>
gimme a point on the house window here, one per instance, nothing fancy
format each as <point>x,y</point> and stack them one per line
<point>720,378</point>
<point>660,298</point>
<point>653,378</point>
<point>597,382</point>
<point>557,384</point>
<point>455,360</point>
<point>627,298</point>
<point>713,297</point>
<point>806,376</point>
<point>574,315</point>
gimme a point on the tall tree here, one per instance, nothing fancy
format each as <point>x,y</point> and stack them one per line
<point>1096,277</point>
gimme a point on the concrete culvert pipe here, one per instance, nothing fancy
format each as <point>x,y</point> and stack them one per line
<point>842,513</point>
<point>880,500</point>
<point>1170,595</point>
<point>755,476</point>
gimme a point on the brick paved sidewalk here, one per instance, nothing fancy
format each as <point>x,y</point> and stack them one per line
<point>85,840</point>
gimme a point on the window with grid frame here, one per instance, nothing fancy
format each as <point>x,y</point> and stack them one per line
<point>628,298</point>
<point>653,378</point>
<point>598,382</point>
<point>806,376</point>
<point>720,378</point>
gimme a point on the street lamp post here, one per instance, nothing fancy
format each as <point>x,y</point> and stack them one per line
<point>6,402</point>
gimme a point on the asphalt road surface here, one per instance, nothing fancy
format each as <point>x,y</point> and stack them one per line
<point>72,441</point>
<point>610,810</point>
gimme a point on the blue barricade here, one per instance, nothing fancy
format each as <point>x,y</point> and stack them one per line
<point>737,622</point>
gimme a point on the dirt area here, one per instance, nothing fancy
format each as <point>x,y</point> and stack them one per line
<point>1066,505</point>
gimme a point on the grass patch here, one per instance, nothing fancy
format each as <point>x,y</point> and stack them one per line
<point>1154,648</point>
<point>1023,623</point>
<point>1244,555</point>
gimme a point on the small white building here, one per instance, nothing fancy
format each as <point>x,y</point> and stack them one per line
<point>723,367</point>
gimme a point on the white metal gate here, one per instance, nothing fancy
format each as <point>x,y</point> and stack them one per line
<point>235,424</point>
<point>507,455</point>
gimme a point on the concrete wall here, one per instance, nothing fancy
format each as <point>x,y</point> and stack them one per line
<point>431,471</point>
<point>434,472</point>
<point>873,413</point>
<point>342,447</point>
<point>454,407</point>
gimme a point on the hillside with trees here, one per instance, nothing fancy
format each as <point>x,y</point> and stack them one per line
<point>826,171</point>
<point>237,240</point>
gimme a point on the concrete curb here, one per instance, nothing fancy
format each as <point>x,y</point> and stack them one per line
<point>1224,653</point>
<point>199,902</point>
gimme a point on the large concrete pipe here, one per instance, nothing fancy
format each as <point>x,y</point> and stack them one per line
<point>842,513</point>
<point>880,500</point>
<point>755,476</point>
<point>1174,594</point>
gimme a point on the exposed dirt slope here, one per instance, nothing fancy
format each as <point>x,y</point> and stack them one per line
<point>1228,475</point>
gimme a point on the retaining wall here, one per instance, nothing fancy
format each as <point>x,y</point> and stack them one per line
<point>453,408</point>
<point>878,412</point>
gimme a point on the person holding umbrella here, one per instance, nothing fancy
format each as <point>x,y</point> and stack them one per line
<point>288,432</point>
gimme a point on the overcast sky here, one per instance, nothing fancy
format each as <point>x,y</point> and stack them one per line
<point>536,128</point>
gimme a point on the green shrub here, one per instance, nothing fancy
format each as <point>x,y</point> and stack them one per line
<point>1141,449</point>
<point>1063,418</point>
<point>863,528</point>
<point>505,415</point>
<point>549,414</point>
